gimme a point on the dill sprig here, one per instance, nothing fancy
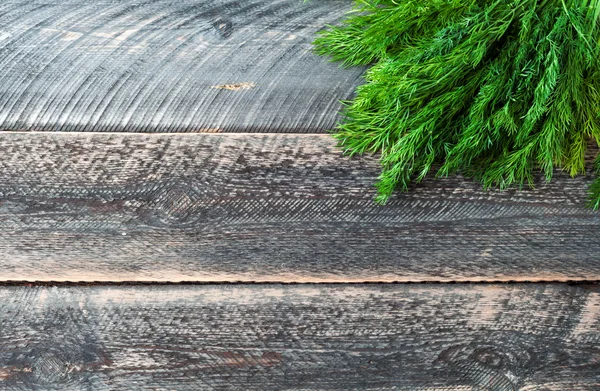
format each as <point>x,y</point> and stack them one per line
<point>493,89</point>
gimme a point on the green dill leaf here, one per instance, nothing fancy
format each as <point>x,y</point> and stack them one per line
<point>493,89</point>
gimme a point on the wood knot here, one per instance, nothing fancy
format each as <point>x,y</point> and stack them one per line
<point>490,365</point>
<point>174,205</point>
<point>223,27</point>
<point>50,366</point>
<point>489,357</point>
<point>53,366</point>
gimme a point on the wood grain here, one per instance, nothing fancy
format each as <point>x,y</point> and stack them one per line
<point>260,207</point>
<point>343,337</point>
<point>169,66</point>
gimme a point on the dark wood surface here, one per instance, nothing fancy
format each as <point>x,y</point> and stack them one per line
<point>260,207</point>
<point>341,337</point>
<point>95,205</point>
<point>169,66</point>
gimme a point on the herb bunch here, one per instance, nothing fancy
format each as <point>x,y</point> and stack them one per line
<point>494,89</point>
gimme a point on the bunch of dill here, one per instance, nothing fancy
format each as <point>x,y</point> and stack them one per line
<point>495,89</point>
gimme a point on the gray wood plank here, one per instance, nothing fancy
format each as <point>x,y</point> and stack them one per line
<point>267,207</point>
<point>169,66</point>
<point>295,337</point>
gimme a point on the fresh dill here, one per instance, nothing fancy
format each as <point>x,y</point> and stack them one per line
<point>493,89</point>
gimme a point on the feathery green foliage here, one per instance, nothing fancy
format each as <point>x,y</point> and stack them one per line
<point>494,89</point>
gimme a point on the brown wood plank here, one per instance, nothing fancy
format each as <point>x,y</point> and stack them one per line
<point>295,337</point>
<point>260,207</point>
<point>169,66</point>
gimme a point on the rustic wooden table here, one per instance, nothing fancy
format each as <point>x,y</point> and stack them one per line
<point>146,143</point>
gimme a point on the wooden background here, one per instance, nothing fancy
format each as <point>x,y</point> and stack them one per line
<point>185,141</point>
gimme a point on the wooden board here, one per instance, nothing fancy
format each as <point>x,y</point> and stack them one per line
<point>259,207</point>
<point>169,66</point>
<point>369,337</point>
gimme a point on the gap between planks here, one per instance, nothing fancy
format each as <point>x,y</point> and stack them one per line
<point>316,282</point>
<point>108,283</point>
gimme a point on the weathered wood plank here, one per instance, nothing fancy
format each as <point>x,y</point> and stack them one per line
<point>343,337</point>
<point>259,207</point>
<point>169,66</point>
